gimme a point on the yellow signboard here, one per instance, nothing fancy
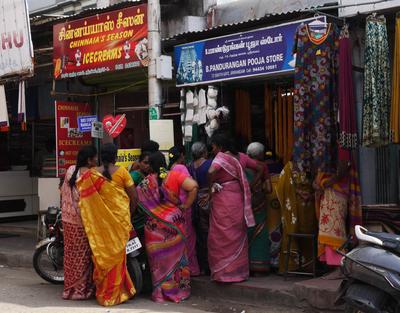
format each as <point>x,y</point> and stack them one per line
<point>127,157</point>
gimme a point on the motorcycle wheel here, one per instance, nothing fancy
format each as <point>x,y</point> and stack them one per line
<point>50,268</point>
<point>135,272</point>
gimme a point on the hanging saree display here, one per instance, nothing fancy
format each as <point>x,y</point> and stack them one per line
<point>315,100</point>
<point>243,115</point>
<point>376,84</point>
<point>395,108</point>
<point>348,136</point>
<point>278,106</point>
<point>298,216</point>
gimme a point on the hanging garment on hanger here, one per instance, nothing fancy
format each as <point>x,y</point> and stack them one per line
<point>202,107</point>
<point>376,104</point>
<point>348,136</point>
<point>196,108</point>
<point>315,101</point>
<point>395,108</point>
<point>243,115</point>
<point>4,122</point>
<point>22,105</point>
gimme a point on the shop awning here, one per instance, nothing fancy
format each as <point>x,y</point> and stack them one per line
<point>247,15</point>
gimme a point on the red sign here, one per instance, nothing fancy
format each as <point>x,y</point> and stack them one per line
<point>102,43</point>
<point>69,139</point>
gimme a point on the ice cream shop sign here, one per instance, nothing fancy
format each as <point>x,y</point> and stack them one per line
<point>16,51</point>
<point>105,42</point>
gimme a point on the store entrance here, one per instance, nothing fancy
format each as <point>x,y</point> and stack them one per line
<point>263,112</point>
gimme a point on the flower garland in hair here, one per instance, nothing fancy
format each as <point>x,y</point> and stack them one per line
<point>163,173</point>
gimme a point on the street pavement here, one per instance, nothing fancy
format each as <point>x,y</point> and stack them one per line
<point>22,291</point>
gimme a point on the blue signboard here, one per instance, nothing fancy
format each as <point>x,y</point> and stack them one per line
<point>258,52</point>
<point>85,123</point>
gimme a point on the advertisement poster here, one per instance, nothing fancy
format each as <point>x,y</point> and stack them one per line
<point>69,138</point>
<point>127,157</point>
<point>16,49</point>
<point>102,43</point>
<point>259,52</point>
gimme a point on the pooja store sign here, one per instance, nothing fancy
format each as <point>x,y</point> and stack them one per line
<point>258,52</point>
<point>102,43</point>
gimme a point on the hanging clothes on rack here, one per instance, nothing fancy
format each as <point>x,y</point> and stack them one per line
<point>376,83</point>
<point>395,108</point>
<point>22,105</point>
<point>315,99</point>
<point>348,136</point>
<point>4,122</point>
<point>243,115</point>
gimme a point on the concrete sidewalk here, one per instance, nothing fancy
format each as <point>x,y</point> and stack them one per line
<point>314,295</point>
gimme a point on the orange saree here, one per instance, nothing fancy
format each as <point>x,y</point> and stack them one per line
<point>106,218</point>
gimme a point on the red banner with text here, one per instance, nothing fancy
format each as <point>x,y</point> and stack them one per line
<point>69,139</point>
<point>102,43</point>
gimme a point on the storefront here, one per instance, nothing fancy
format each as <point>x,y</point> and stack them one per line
<point>252,75</point>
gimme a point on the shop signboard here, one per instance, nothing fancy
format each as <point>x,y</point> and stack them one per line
<point>247,54</point>
<point>85,123</point>
<point>102,43</point>
<point>68,137</point>
<point>127,157</point>
<point>16,49</point>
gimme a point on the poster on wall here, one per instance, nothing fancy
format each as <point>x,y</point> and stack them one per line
<point>247,54</point>
<point>16,49</point>
<point>68,137</point>
<point>102,43</point>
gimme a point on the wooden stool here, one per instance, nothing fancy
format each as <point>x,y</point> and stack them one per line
<point>314,242</point>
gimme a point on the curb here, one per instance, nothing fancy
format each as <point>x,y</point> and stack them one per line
<point>250,295</point>
<point>13,259</point>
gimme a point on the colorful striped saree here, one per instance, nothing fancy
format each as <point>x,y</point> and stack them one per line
<point>165,238</point>
<point>106,217</point>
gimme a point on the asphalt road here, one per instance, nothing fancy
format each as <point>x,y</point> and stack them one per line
<point>22,291</point>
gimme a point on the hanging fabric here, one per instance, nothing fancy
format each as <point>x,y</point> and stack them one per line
<point>269,116</point>
<point>182,106</point>
<point>189,114</point>
<point>243,115</point>
<point>348,137</point>
<point>376,84</point>
<point>22,105</point>
<point>395,108</point>
<point>315,100</point>
<point>202,107</point>
<point>284,124</point>
<point>4,122</point>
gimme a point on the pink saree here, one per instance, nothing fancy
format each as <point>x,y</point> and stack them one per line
<point>190,232</point>
<point>230,216</point>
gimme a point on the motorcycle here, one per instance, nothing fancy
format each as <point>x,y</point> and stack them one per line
<point>48,259</point>
<point>372,272</point>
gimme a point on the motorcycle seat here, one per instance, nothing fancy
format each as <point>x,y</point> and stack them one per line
<point>391,241</point>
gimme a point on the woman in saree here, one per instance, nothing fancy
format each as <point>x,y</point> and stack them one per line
<point>78,267</point>
<point>230,215</point>
<point>177,164</point>
<point>165,229</point>
<point>198,169</point>
<point>142,168</point>
<point>338,207</point>
<point>107,196</point>
<point>259,242</point>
